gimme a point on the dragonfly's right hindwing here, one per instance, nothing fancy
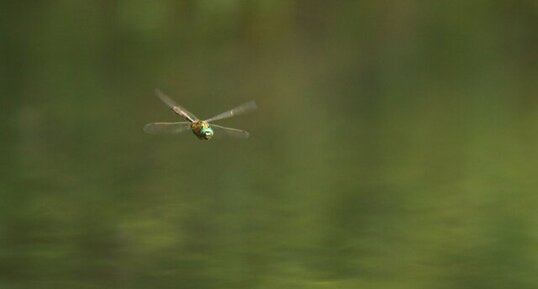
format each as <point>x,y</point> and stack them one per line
<point>167,127</point>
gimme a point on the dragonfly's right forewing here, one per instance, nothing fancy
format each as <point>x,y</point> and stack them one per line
<point>181,111</point>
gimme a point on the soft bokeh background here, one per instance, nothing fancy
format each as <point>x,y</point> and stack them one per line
<point>395,145</point>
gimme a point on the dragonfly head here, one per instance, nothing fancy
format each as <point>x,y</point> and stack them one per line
<point>207,133</point>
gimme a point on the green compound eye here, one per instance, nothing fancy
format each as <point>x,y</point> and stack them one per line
<point>207,132</point>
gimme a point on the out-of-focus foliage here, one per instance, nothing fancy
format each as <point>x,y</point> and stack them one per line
<point>395,145</point>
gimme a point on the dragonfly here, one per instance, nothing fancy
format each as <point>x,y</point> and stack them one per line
<point>203,129</point>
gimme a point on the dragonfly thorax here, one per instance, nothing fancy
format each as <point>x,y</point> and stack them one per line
<point>202,130</point>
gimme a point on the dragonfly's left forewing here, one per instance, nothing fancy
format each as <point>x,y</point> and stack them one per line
<point>243,108</point>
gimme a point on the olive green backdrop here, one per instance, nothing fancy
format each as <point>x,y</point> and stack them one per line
<point>395,145</point>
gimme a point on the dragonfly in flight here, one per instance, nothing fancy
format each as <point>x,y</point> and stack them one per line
<point>203,129</point>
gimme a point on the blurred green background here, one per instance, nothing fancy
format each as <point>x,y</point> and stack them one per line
<point>395,145</point>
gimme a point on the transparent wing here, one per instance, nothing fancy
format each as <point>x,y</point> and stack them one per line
<point>176,107</point>
<point>167,127</point>
<point>244,108</point>
<point>233,132</point>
